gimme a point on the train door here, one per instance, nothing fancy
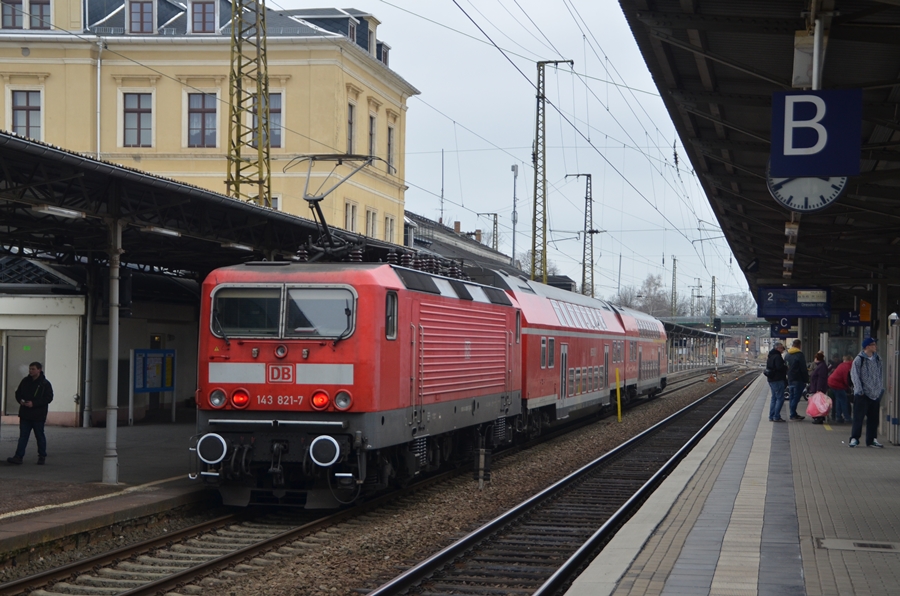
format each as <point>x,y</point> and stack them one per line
<point>416,365</point>
<point>563,370</point>
<point>606,366</point>
<point>640,373</point>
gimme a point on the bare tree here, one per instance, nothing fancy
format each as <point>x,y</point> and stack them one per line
<point>627,297</point>
<point>737,304</point>
<point>653,297</point>
<point>524,260</point>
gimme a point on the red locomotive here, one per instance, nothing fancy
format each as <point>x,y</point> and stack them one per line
<point>322,383</point>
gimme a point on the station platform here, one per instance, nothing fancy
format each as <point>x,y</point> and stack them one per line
<point>66,496</point>
<point>762,508</point>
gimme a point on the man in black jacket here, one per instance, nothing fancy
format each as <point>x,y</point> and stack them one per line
<point>776,372</point>
<point>34,396</point>
<point>797,377</point>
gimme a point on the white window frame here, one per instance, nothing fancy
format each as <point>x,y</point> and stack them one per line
<point>389,223</point>
<point>190,17</point>
<point>371,223</point>
<point>351,214</point>
<point>276,203</point>
<point>153,18</point>
<point>351,127</point>
<point>120,117</point>
<point>185,125</point>
<point>9,105</point>
<point>372,130</point>
<point>391,149</point>
<point>351,30</point>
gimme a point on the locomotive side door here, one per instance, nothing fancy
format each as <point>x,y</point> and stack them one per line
<point>416,337</point>
<point>640,374</point>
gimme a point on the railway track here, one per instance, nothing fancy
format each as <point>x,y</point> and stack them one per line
<point>242,542</point>
<point>539,546</point>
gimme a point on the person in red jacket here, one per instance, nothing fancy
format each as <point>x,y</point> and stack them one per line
<point>839,382</point>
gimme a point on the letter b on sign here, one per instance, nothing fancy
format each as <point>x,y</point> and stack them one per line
<point>280,373</point>
<point>816,133</point>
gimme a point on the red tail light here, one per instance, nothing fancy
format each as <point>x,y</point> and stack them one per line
<point>240,398</point>
<point>320,400</point>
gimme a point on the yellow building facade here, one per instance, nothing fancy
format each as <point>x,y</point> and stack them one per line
<point>145,84</point>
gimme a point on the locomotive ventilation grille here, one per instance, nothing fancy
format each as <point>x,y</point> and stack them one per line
<point>420,450</point>
<point>499,430</point>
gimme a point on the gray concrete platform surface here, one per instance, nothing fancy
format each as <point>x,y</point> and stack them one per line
<point>66,496</point>
<point>762,508</point>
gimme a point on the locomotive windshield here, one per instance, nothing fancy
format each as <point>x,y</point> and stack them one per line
<point>247,311</point>
<point>319,312</point>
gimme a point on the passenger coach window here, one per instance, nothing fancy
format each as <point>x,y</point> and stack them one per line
<point>319,312</point>
<point>390,316</point>
<point>246,312</point>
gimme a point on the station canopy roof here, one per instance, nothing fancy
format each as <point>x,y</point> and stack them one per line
<point>717,63</point>
<point>57,205</point>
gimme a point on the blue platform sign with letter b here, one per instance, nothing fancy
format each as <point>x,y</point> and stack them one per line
<point>816,133</point>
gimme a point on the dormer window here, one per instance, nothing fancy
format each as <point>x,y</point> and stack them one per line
<point>351,31</point>
<point>140,16</point>
<point>203,17</point>
<point>384,51</point>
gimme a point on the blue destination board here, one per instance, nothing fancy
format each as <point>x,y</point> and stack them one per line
<point>776,301</point>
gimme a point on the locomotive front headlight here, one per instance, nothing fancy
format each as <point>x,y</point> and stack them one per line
<point>217,398</point>
<point>342,400</point>
<point>240,398</point>
<point>320,400</point>
<point>281,351</point>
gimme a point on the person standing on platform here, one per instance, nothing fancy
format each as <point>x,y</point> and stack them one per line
<point>839,382</point>
<point>34,396</point>
<point>818,380</point>
<point>868,387</point>
<point>797,377</point>
<point>776,373</point>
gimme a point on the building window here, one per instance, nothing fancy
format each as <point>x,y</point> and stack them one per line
<point>350,216</point>
<point>351,31</point>
<point>12,14</point>
<point>371,135</point>
<point>390,149</point>
<point>201,119</point>
<point>138,120</point>
<point>388,228</point>
<point>40,14</point>
<point>351,113</point>
<point>26,114</point>
<point>274,120</point>
<point>385,51</point>
<point>203,17</point>
<point>141,16</point>
<point>371,223</point>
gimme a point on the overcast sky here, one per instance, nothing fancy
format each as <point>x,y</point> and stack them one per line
<point>477,105</point>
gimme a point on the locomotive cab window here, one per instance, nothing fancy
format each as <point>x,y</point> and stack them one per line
<point>319,312</point>
<point>543,352</point>
<point>250,312</point>
<point>551,357</point>
<point>390,316</point>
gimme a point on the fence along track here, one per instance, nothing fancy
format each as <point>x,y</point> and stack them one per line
<point>539,546</point>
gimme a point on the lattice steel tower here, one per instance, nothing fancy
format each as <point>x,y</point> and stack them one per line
<point>539,223</point>
<point>248,106</point>
<point>587,256</point>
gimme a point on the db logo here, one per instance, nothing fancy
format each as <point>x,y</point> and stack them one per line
<point>280,373</point>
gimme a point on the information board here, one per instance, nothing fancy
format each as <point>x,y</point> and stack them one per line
<point>154,371</point>
<point>778,301</point>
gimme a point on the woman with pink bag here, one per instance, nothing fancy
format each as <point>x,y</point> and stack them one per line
<point>819,403</point>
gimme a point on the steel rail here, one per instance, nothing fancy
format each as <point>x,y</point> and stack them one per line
<point>418,572</point>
